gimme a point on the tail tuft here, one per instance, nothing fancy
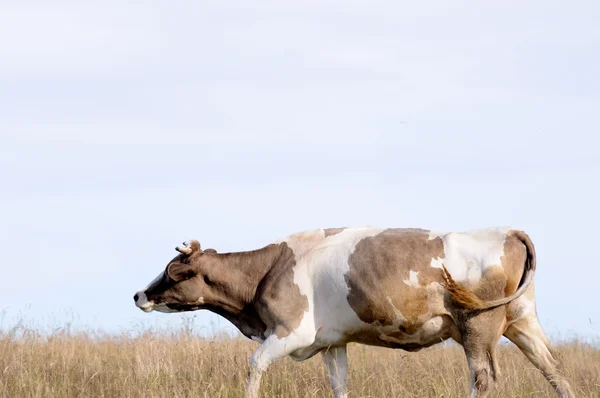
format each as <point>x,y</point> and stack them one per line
<point>461,295</point>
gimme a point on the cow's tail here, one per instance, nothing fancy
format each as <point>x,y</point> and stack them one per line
<point>469,300</point>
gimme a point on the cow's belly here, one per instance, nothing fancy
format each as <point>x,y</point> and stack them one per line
<point>432,331</point>
<point>408,337</point>
<point>411,319</point>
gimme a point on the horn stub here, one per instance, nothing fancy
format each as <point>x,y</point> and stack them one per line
<point>188,247</point>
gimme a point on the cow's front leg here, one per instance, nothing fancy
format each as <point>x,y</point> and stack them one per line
<point>271,350</point>
<point>336,360</point>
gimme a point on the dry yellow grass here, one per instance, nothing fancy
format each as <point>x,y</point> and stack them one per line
<point>181,365</point>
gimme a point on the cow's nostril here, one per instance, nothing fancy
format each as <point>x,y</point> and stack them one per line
<point>136,297</point>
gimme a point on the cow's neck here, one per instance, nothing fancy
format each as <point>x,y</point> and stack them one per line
<point>243,272</point>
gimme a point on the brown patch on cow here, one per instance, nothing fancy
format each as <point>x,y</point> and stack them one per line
<point>333,231</point>
<point>378,267</point>
<point>280,303</point>
<point>513,262</point>
<point>492,284</point>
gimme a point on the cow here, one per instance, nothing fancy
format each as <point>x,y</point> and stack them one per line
<point>319,290</point>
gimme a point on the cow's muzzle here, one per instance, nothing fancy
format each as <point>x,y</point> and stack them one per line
<point>141,301</point>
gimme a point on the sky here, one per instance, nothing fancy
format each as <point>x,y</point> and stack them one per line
<point>127,128</point>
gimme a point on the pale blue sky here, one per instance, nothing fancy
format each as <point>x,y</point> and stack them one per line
<point>126,129</point>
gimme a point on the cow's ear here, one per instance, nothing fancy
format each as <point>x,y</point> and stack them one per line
<point>210,251</point>
<point>189,247</point>
<point>180,271</point>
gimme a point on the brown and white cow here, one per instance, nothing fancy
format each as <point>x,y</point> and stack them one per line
<point>317,291</point>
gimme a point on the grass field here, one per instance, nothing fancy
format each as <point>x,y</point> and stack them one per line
<point>183,365</point>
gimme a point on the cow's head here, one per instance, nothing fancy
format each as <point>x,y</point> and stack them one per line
<point>184,285</point>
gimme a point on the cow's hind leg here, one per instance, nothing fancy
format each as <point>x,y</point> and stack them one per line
<point>528,335</point>
<point>480,335</point>
<point>336,360</point>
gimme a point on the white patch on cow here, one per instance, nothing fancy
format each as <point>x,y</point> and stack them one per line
<point>413,280</point>
<point>436,234</point>
<point>320,270</point>
<point>319,273</point>
<point>199,301</point>
<point>163,308</point>
<point>469,254</point>
<point>257,339</point>
<point>437,262</point>
<point>522,307</point>
<point>143,303</point>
